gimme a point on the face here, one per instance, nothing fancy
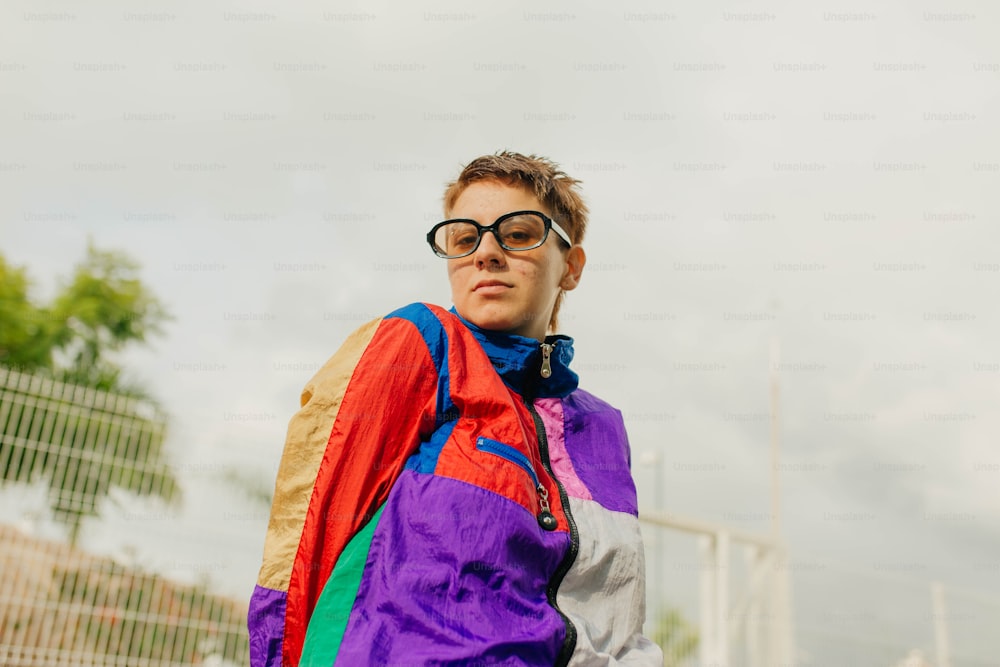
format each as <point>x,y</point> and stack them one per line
<point>499,290</point>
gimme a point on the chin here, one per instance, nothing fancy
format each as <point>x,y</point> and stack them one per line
<point>492,321</point>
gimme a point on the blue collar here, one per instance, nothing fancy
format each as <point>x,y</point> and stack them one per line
<point>518,360</point>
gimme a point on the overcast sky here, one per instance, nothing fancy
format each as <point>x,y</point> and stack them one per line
<point>820,175</point>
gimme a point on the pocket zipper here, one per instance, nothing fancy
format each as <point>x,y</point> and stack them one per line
<point>545,517</point>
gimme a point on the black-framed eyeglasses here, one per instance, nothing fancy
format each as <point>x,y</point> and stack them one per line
<point>515,231</point>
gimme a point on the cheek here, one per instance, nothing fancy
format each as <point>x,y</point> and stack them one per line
<point>555,268</point>
<point>544,281</point>
<point>456,278</point>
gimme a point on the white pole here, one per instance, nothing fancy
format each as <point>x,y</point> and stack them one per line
<point>722,597</point>
<point>940,625</point>
<point>660,546</point>
<point>657,585</point>
<point>706,600</point>
<point>755,561</point>
<point>782,641</point>
<point>775,442</point>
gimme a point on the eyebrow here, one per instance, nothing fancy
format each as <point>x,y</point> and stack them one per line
<point>516,210</point>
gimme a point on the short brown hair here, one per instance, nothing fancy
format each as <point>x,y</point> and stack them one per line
<point>539,175</point>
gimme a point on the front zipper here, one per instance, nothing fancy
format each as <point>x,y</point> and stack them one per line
<point>546,369</point>
<point>569,644</point>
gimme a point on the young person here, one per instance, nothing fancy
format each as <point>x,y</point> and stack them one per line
<point>447,494</point>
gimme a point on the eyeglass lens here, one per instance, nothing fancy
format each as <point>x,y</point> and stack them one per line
<point>520,232</point>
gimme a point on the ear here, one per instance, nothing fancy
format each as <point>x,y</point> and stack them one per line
<point>576,258</point>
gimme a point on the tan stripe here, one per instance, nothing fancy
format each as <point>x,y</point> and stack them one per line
<point>308,433</point>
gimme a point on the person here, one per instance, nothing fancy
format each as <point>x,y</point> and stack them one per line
<point>447,494</point>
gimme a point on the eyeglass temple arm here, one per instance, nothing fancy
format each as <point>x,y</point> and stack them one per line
<point>561,232</point>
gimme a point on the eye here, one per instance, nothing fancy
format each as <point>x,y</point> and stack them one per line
<point>464,240</point>
<point>522,231</point>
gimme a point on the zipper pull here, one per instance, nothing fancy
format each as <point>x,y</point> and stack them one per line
<point>545,518</point>
<point>546,365</point>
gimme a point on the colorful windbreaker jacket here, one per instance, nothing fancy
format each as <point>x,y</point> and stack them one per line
<point>448,496</point>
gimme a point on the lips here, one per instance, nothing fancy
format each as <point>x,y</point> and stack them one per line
<point>491,287</point>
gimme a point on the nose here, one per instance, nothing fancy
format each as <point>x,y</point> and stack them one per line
<point>489,251</point>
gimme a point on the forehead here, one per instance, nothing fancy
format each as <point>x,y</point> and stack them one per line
<point>488,200</point>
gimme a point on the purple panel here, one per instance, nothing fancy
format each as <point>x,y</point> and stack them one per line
<point>266,622</point>
<point>597,443</point>
<point>456,575</point>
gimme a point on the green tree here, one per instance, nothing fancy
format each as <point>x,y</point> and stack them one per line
<point>102,309</point>
<point>83,443</point>
<point>676,636</point>
<point>26,340</point>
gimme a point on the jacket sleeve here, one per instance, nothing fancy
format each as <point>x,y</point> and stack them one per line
<point>361,416</point>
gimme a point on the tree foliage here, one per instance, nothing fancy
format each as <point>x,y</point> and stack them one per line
<point>82,443</point>
<point>25,332</point>
<point>101,309</point>
<point>676,636</point>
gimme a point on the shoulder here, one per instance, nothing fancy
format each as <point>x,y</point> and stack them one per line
<point>410,338</point>
<point>585,402</point>
<point>425,322</point>
<point>426,317</point>
<point>585,413</point>
<point>416,312</point>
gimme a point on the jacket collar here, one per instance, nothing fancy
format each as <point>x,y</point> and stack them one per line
<point>518,360</point>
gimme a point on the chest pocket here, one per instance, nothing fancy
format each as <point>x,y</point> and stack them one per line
<point>508,453</point>
<point>544,514</point>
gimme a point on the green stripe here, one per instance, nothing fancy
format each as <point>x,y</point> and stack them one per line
<point>333,609</point>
